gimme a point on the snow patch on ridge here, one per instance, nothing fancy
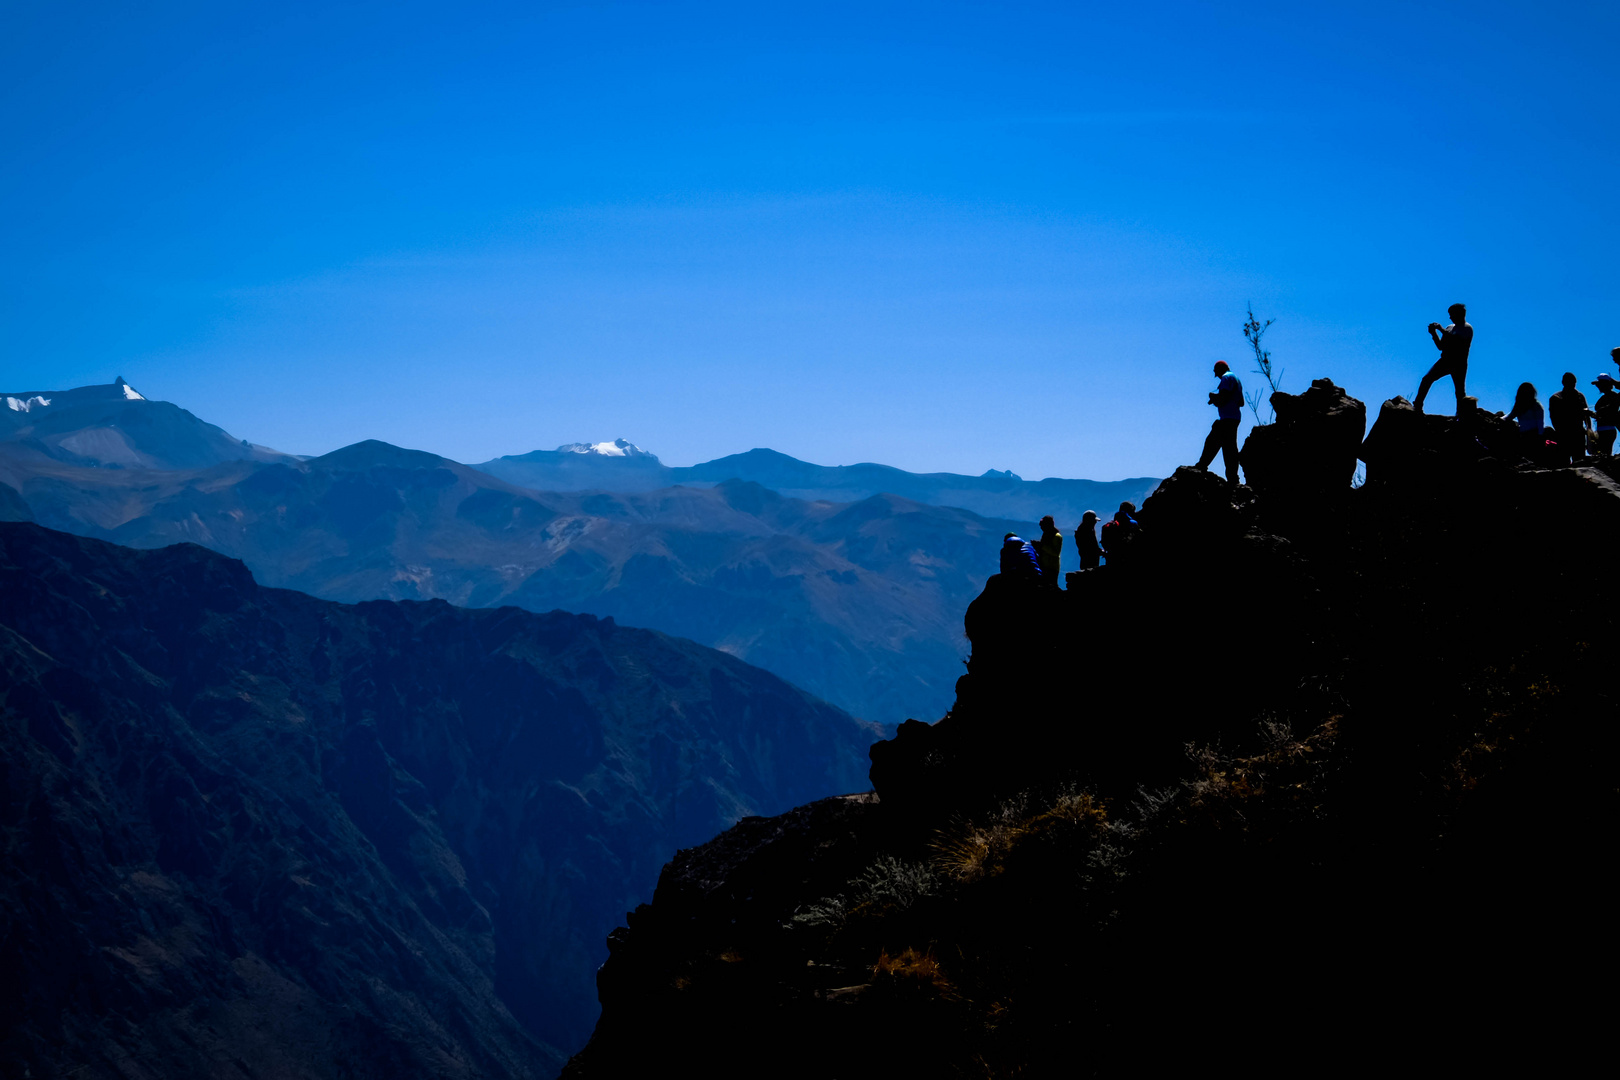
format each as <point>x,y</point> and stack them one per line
<point>26,404</point>
<point>616,448</point>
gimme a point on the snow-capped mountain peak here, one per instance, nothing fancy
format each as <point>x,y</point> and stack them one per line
<point>16,404</point>
<point>130,393</point>
<point>617,448</point>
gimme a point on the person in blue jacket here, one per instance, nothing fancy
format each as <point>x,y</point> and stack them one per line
<point>1228,402</point>
<point>1019,561</point>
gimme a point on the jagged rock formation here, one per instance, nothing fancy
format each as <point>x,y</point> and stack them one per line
<point>245,832</point>
<point>1337,784</point>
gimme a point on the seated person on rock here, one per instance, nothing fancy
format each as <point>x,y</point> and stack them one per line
<point>1019,562</point>
<point>1453,342</point>
<point>1532,421</point>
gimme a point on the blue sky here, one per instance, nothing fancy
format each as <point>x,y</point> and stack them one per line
<point>942,236</point>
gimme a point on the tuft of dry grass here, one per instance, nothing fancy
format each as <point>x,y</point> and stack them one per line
<point>1226,791</point>
<point>968,851</point>
<point>913,971</point>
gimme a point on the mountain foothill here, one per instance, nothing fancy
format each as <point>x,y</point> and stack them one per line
<point>347,765</point>
<point>247,832</point>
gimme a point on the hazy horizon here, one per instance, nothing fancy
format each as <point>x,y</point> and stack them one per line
<point>943,239</point>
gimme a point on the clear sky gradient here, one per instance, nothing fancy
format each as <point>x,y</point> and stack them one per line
<point>940,236</point>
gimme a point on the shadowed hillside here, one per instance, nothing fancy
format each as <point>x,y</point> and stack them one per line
<point>246,832</point>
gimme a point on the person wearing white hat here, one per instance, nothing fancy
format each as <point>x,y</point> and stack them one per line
<point>1085,541</point>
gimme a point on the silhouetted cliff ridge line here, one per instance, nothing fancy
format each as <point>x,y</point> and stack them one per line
<point>1341,792</point>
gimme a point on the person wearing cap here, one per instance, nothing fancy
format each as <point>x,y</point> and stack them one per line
<point>1228,402</point>
<point>1453,342</point>
<point>1019,560</point>
<point>1085,541</point>
<point>1606,412</point>
<point>1570,418</point>
<point>1049,549</point>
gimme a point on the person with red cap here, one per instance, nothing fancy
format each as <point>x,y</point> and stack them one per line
<point>1228,402</point>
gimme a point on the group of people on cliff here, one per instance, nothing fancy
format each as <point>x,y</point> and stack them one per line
<point>1566,432</point>
<point>1039,562</point>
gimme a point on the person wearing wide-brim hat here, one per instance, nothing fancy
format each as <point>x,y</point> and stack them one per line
<point>1606,412</point>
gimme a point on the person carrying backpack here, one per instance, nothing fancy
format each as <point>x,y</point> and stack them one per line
<point>1118,534</point>
<point>1222,438</point>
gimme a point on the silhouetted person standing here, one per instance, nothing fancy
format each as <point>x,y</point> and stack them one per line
<point>1228,402</point>
<point>1049,549</point>
<point>1606,412</point>
<point>1570,419</point>
<point>1453,342</point>
<point>1085,541</point>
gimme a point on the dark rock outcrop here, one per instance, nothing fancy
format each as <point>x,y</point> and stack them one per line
<point>245,832</point>
<point>1313,774</point>
<point>1409,447</point>
<point>1310,451</point>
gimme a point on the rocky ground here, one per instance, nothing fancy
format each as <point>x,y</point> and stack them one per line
<point>1311,777</point>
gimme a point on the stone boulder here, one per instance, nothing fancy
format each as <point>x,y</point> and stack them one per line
<point>1311,449</point>
<point>1405,445</point>
<point>1193,505</point>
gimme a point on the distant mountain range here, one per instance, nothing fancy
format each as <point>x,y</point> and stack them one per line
<point>247,832</point>
<point>114,427</point>
<point>623,466</point>
<point>857,600</point>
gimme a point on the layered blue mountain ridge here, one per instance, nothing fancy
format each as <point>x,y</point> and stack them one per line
<point>622,466</point>
<point>847,581</point>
